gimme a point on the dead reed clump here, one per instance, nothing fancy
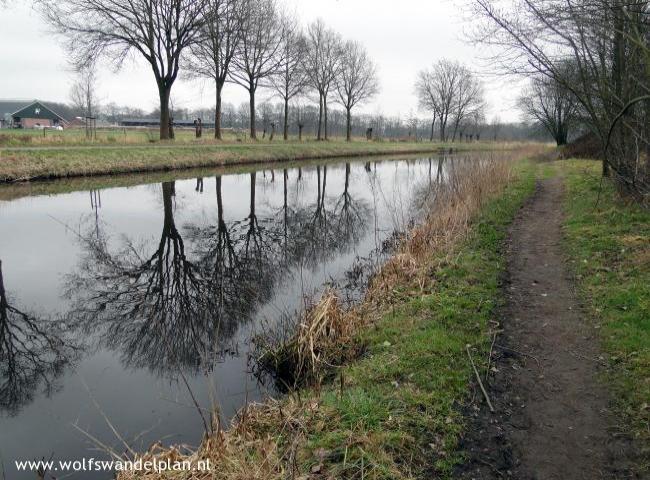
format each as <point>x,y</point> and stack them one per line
<point>324,339</point>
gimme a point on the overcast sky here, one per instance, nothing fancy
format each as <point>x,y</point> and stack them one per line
<point>402,37</point>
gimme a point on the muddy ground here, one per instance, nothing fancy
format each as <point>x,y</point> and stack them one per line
<point>552,417</point>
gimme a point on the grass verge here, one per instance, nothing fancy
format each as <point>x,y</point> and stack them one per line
<point>57,162</point>
<point>608,240</point>
<point>14,190</point>
<point>394,413</point>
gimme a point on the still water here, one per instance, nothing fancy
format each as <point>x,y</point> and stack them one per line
<point>125,305</point>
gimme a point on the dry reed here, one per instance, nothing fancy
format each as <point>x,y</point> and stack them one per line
<point>324,339</point>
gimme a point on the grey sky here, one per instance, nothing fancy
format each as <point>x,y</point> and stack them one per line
<point>402,37</point>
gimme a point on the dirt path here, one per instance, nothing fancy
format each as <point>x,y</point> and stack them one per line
<point>552,418</point>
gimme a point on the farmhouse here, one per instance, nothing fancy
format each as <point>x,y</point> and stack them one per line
<point>7,107</point>
<point>36,115</point>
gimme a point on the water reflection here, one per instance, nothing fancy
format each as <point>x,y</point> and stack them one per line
<point>171,279</point>
<point>156,308</point>
<point>167,312</point>
<point>34,351</point>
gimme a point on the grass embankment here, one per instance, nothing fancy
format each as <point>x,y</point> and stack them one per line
<point>14,190</point>
<point>608,240</point>
<point>395,412</point>
<point>56,162</point>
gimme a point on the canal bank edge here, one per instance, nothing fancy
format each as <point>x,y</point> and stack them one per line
<point>20,165</point>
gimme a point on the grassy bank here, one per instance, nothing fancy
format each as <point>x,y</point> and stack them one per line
<point>395,412</point>
<point>14,190</point>
<point>56,162</point>
<point>608,240</point>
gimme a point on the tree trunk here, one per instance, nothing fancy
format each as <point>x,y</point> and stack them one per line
<point>217,113</point>
<point>348,129</point>
<point>605,167</point>
<point>453,140</point>
<point>252,113</point>
<point>252,206</point>
<point>164,93</point>
<point>319,137</point>
<point>325,116</point>
<point>433,128</point>
<point>286,119</point>
<point>219,200</point>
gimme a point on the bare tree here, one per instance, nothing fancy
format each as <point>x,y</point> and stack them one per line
<point>427,94</point>
<point>291,79</point>
<point>299,116</point>
<point>322,64</point>
<point>468,97</point>
<point>83,93</point>
<point>471,126</point>
<point>211,57</point>
<point>158,30</point>
<point>607,43</point>
<point>551,105</point>
<point>357,80</point>
<point>437,90</point>
<point>260,52</point>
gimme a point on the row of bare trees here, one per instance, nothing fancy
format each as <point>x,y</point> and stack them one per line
<point>252,43</point>
<point>596,50</point>
<point>453,96</point>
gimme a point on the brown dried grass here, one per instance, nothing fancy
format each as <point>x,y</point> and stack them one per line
<point>324,339</point>
<point>261,445</point>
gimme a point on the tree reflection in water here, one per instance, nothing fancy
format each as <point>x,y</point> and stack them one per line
<point>166,312</point>
<point>352,214</point>
<point>319,231</point>
<point>240,262</point>
<point>157,309</point>
<point>34,352</point>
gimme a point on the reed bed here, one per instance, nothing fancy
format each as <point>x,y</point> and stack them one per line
<point>269,441</point>
<point>324,339</point>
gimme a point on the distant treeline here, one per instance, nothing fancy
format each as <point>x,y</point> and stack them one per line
<point>237,117</point>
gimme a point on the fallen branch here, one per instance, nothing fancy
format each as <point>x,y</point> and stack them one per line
<point>489,362</point>
<point>478,378</point>
<point>519,353</point>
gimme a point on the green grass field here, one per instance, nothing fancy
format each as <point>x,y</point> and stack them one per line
<point>113,136</point>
